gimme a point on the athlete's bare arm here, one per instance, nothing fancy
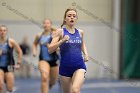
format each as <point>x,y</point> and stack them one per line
<point>35,43</point>
<point>57,40</point>
<point>16,46</point>
<point>84,49</point>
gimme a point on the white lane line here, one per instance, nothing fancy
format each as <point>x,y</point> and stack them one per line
<point>111,85</point>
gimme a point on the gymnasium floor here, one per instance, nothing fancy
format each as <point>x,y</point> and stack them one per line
<point>90,86</point>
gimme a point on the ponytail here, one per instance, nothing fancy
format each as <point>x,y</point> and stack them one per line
<point>63,23</point>
<point>53,29</point>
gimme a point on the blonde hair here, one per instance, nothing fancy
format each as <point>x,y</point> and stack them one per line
<point>69,9</point>
<point>4,26</point>
<point>52,28</point>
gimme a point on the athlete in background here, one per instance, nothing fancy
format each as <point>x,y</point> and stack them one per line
<point>47,62</point>
<point>7,63</point>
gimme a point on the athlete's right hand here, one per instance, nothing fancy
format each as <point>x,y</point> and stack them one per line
<point>65,38</point>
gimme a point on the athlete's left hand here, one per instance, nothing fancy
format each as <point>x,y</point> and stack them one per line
<point>86,58</point>
<point>17,66</point>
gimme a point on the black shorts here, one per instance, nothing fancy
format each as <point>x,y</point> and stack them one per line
<point>4,69</point>
<point>7,69</point>
<point>52,63</point>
